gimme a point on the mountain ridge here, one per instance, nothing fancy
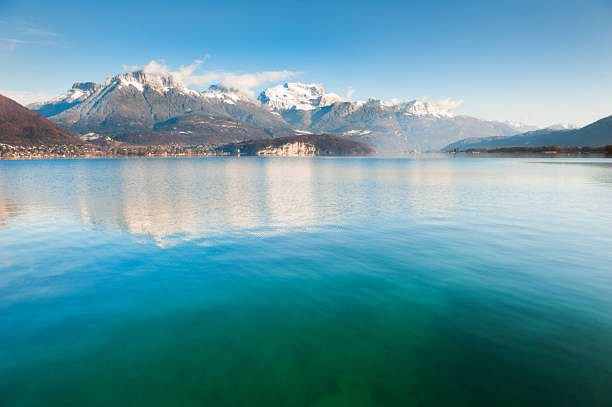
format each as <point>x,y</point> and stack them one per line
<point>131,105</point>
<point>20,125</point>
<point>598,133</point>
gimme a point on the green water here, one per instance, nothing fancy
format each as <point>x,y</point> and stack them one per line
<point>305,282</point>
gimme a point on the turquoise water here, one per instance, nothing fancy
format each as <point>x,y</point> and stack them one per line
<point>306,282</point>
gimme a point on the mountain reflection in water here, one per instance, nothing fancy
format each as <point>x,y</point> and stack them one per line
<point>305,282</point>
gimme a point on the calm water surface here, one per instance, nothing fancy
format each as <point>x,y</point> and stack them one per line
<point>306,282</point>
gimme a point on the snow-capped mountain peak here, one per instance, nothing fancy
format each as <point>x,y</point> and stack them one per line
<point>79,92</point>
<point>224,95</point>
<point>424,108</point>
<point>410,108</point>
<point>562,126</point>
<point>298,96</point>
<point>140,80</point>
<point>520,127</point>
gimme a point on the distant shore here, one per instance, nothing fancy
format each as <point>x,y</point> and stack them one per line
<point>8,151</point>
<point>59,151</point>
<point>296,146</point>
<point>538,151</point>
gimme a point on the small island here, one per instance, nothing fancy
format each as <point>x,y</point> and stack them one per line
<point>298,146</point>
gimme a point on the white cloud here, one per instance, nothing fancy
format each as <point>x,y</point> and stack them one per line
<point>156,67</point>
<point>33,35</point>
<point>10,43</point>
<point>13,41</point>
<point>130,68</point>
<point>246,82</point>
<point>38,31</point>
<point>26,97</point>
<point>349,92</point>
<point>448,104</point>
<point>192,75</point>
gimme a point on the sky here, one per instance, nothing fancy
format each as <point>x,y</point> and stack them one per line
<point>538,62</point>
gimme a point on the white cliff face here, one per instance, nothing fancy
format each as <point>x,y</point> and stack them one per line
<point>411,108</point>
<point>88,95</point>
<point>221,94</point>
<point>78,93</point>
<point>295,149</point>
<point>140,80</point>
<point>298,96</point>
<point>562,126</point>
<point>420,108</point>
<point>281,98</point>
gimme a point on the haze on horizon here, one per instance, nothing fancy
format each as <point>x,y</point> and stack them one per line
<point>539,64</point>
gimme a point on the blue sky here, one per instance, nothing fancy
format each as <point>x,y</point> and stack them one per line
<point>540,62</point>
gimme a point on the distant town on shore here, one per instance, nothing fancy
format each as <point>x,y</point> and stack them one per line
<point>142,114</point>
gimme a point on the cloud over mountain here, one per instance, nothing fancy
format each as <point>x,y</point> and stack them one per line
<point>155,104</point>
<point>193,74</point>
<point>26,97</point>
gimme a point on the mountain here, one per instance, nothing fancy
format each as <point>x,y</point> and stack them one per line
<point>21,126</point>
<point>300,145</point>
<point>130,106</point>
<point>77,94</point>
<point>389,127</point>
<point>298,96</point>
<point>522,127</point>
<point>202,128</point>
<point>598,133</point>
<point>561,126</point>
<point>144,108</point>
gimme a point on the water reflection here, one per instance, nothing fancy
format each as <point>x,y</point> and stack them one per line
<point>421,275</point>
<point>7,208</point>
<point>172,200</point>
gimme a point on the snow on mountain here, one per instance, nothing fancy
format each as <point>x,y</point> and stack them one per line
<point>161,83</point>
<point>562,126</point>
<point>375,102</point>
<point>131,105</point>
<point>412,107</point>
<point>140,82</point>
<point>144,107</point>
<point>420,108</point>
<point>298,96</point>
<point>224,95</point>
<point>524,128</point>
<point>301,96</point>
<point>79,92</point>
<point>520,127</point>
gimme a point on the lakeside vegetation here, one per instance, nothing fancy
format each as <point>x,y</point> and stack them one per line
<point>605,151</point>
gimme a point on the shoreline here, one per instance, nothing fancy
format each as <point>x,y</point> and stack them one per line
<point>538,151</point>
<point>381,156</point>
<point>93,151</point>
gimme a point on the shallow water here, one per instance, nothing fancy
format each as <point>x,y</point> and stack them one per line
<point>306,282</point>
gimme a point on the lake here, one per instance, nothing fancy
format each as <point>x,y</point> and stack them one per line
<point>306,282</point>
